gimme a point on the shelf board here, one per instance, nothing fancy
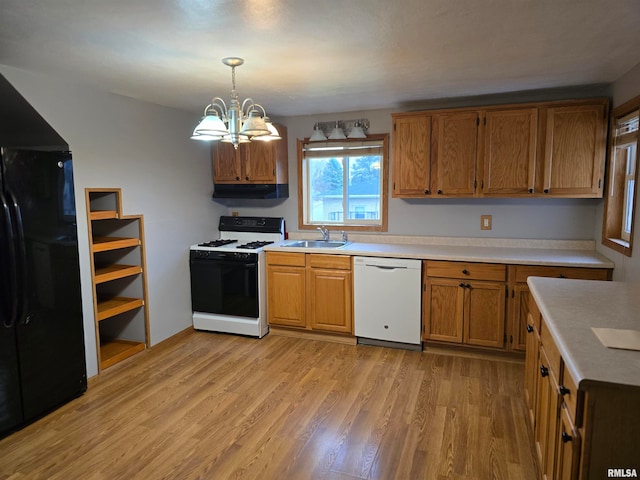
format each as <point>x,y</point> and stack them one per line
<point>113,306</point>
<point>103,215</point>
<point>115,350</point>
<point>115,271</point>
<point>104,244</point>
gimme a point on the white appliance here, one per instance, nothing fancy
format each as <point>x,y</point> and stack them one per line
<point>228,276</point>
<point>387,299</point>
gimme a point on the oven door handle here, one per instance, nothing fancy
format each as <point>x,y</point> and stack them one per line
<point>203,262</point>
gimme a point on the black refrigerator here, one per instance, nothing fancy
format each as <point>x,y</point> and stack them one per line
<point>42,360</point>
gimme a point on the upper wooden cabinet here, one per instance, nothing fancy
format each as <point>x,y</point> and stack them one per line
<point>411,156</point>
<point>255,162</point>
<point>574,153</point>
<point>509,152</point>
<point>454,150</point>
<point>553,149</point>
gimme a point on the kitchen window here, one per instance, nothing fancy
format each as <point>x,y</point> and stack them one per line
<point>343,184</point>
<point>622,178</point>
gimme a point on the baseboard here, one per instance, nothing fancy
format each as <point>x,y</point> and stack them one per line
<point>325,337</point>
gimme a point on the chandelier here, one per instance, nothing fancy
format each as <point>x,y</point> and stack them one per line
<point>238,123</point>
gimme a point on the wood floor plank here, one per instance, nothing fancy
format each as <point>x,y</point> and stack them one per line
<point>224,406</point>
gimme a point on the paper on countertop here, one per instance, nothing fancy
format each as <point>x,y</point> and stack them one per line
<point>617,338</point>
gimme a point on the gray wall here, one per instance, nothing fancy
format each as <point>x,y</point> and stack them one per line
<point>145,150</point>
<point>627,268</point>
<point>512,218</point>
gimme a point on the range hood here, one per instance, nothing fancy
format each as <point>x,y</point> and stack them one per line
<point>253,190</point>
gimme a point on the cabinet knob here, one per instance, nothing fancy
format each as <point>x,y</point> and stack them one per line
<point>465,271</point>
<point>461,285</point>
<point>531,190</point>
<point>529,328</point>
<point>546,190</point>
<point>439,192</point>
<point>561,276</point>
<point>466,285</point>
<point>427,192</point>
<point>566,437</point>
<point>564,390</point>
<point>237,178</point>
<point>247,177</point>
<point>544,371</point>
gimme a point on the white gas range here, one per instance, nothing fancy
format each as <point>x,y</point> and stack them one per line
<point>228,276</point>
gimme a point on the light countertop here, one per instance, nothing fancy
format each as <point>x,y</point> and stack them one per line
<point>571,308</point>
<point>509,253</point>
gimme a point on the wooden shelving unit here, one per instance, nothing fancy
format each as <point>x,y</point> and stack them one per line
<point>119,277</point>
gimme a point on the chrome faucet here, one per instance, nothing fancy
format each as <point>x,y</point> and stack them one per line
<point>344,236</point>
<point>325,232</point>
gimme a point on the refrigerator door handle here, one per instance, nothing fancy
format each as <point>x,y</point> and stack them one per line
<point>21,271</point>
<point>13,270</point>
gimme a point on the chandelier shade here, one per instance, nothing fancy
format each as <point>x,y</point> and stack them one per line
<point>237,123</point>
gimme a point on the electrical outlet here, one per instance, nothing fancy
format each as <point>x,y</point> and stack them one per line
<point>485,222</point>
<point>234,214</point>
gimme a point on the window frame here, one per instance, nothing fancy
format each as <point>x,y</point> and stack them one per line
<point>616,193</point>
<point>384,189</point>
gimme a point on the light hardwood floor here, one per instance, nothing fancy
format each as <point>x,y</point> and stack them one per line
<point>218,406</point>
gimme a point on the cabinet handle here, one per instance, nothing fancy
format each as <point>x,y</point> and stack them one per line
<point>465,271</point>
<point>237,178</point>
<point>566,437</point>
<point>529,328</point>
<point>461,285</point>
<point>544,371</point>
<point>466,285</point>
<point>531,190</point>
<point>247,177</point>
<point>561,276</point>
<point>427,192</point>
<point>564,390</point>
<point>439,192</point>
<point>546,190</point>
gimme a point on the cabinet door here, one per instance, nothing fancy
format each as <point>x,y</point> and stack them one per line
<point>227,163</point>
<point>509,158</point>
<point>531,367</point>
<point>411,163</point>
<point>455,138</point>
<point>546,416</point>
<point>286,296</point>
<point>329,300</point>
<point>260,162</point>
<point>568,451</point>
<point>484,314</point>
<point>575,151</point>
<point>443,310</point>
<point>520,319</point>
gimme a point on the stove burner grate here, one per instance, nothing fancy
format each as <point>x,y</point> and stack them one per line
<point>216,243</point>
<point>254,245</point>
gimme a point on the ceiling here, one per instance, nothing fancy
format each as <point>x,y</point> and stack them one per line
<point>321,56</point>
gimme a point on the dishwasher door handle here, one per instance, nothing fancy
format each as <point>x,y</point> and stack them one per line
<point>385,267</point>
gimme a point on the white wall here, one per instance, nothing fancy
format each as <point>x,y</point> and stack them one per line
<point>627,268</point>
<point>512,218</point>
<point>145,150</point>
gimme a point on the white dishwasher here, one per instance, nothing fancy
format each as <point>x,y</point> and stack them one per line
<point>387,299</point>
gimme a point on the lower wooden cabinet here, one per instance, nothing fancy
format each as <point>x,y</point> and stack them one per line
<point>310,291</point>
<point>468,308</point>
<point>519,294</point>
<point>581,429</point>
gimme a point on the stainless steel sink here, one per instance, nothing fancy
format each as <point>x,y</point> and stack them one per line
<point>315,244</point>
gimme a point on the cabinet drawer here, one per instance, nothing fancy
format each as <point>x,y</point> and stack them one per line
<point>572,397</point>
<point>525,271</point>
<point>553,354</point>
<point>470,271</point>
<point>286,258</point>
<point>336,262</point>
